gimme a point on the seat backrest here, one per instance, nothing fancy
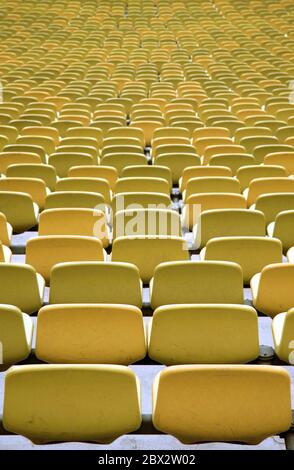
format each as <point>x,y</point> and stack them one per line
<point>19,210</point>
<point>16,334</point>
<point>142,184</point>
<point>246,174</point>
<point>85,184</point>
<point>105,397</point>
<point>95,282</point>
<point>29,294</point>
<point>272,204</point>
<point>216,393</point>
<point>228,223</point>
<point>251,253</point>
<point>133,249</point>
<point>203,334</point>
<point>197,282</point>
<point>197,203</point>
<point>77,199</point>
<point>260,186</point>
<point>212,184</point>
<point>44,172</point>
<point>44,252</point>
<point>284,229</point>
<point>84,339</point>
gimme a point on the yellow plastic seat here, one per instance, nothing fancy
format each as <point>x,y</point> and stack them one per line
<point>148,171</point>
<point>282,330</point>
<point>96,403</point>
<point>73,221</point>
<point>272,289</point>
<point>251,253</point>
<point>260,186</point>
<point>272,204</point>
<point>211,184</point>
<point>44,252</point>
<point>214,150</point>
<point>246,174</point>
<point>46,173</point>
<point>177,163</point>
<point>34,187</point>
<point>201,171</point>
<point>123,201</point>
<point>189,400</point>
<point>282,159</point>
<point>203,334</point>
<point>197,203</point>
<point>95,282</point>
<point>232,161</point>
<point>75,199</point>
<point>29,295</point>
<point>142,184</point>
<point>201,282</point>
<point>107,173</point>
<point>46,143</point>
<point>262,151</point>
<point>90,334</point>
<point>16,333</point>
<point>62,162</point>
<point>13,158</point>
<point>5,230</point>
<point>120,160</point>
<point>85,184</point>
<point>133,249</point>
<point>41,131</point>
<point>19,209</point>
<point>228,223</point>
<point>283,229</point>
<point>254,141</point>
<point>149,222</point>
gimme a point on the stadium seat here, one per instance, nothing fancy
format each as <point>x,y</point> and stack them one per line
<point>217,392</point>
<point>133,249</point>
<point>203,334</point>
<point>29,296</point>
<point>16,333</point>
<point>283,229</point>
<point>251,253</point>
<point>272,291</point>
<point>90,334</point>
<point>217,282</point>
<point>282,329</point>
<point>104,394</point>
<point>44,252</point>
<point>19,209</point>
<point>95,282</point>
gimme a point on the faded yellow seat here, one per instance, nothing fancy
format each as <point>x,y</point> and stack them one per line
<point>283,229</point>
<point>133,249</point>
<point>198,203</point>
<point>228,223</point>
<point>272,289</point>
<point>73,221</point>
<point>75,199</point>
<point>260,186</point>
<point>90,334</point>
<point>46,173</point>
<point>283,331</point>
<point>203,334</point>
<point>283,159</point>
<point>191,282</point>
<point>124,201</point>
<point>20,210</point>
<point>92,403</point>
<point>189,400</point>
<point>28,297</point>
<point>148,171</point>
<point>34,187</point>
<point>44,252</point>
<point>16,333</point>
<point>201,171</point>
<point>95,282</point>
<point>86,184</point>
<point>5,230</point>
<point>251,253</point>
<point>149,222</point>
<point>62,162</point>
<point>107,173</point>
<point>13,158</point>
<point>272,204</point>
<point>142,185</point>
<point>246,174</point>
<point>211,184</point>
